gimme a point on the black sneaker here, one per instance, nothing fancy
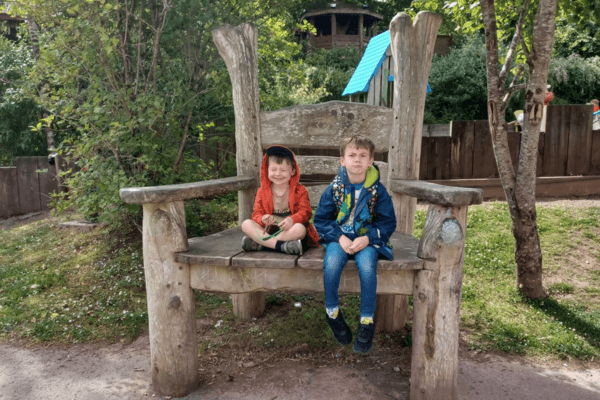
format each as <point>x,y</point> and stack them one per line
<point>340,329</point>
<point>364,339</point>
<point>250,245</point>
<point>292,247</point>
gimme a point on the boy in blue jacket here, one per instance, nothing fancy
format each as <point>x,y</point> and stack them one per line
<point>355,218</point>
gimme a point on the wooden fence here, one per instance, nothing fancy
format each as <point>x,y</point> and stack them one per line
<point>25,188</point>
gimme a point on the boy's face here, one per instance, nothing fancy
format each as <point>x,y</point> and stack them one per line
<point>357,161</point>
<point>280,174</point>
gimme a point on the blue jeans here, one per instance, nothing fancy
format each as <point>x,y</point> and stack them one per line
<point>366,262</point>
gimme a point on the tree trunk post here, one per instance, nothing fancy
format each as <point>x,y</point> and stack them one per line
<point>238,46</point>
<point>171,307</point>
<point>437,295</point>
<point>412,47</point>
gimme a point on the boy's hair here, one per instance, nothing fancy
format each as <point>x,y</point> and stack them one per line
<point>594,102</point>
<point>280,160</point>
<point>358,141</point>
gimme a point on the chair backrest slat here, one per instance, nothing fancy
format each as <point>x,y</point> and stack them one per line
<point>322,126</point>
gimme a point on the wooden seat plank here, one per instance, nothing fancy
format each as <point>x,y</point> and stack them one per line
<point>264,259</point>
<point>404,249</point>
<point>238,280</point>
<point>217,249</point>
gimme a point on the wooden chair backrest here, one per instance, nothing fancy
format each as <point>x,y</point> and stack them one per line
<point>323,126</point>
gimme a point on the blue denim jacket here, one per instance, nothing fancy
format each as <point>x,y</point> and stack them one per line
<point>374,215</point>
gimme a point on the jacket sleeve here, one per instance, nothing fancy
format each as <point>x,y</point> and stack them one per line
<point>325,218</point>
<point>303,210</point>
<point>384,223</point>
<point>259,209</point>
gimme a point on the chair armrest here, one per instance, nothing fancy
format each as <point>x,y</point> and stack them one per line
<point>442,195</point>
<point>185,191</point>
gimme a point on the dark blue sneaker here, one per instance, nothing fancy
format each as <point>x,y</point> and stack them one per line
<point>340,329</point>
<point>364,339</point>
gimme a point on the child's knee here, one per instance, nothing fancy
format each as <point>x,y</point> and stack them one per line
<point>299,229</point>
<point>248,225</point>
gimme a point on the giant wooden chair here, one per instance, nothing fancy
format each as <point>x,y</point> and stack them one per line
<point>429,269</point>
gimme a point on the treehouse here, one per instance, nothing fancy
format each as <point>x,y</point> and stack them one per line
<point>341,25</point>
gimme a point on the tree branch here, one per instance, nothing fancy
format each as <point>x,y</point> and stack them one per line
<point>179,159</point>
<point>513,86</point>
<point>526,51</point>
<point>517,37</point>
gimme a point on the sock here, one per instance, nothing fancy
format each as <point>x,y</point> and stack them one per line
<point>278,245</point>
<point>332,312</point>
<point>366,320</point>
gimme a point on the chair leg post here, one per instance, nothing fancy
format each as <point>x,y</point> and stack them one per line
<point>436,300</point>
<point>171,307</point>
<point>248,305</point>
<point>391,312</point>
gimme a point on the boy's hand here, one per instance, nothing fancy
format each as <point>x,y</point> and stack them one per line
<point>286,224</point>
<point>359,243</point>
<point>345,243</point>
<point>268,220</point>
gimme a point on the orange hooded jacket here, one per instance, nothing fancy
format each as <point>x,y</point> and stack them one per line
<point>299,201</point>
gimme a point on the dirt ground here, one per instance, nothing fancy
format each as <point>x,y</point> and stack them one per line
<point>120,371</point>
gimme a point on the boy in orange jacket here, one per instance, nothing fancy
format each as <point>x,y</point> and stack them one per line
<point>282,211</point>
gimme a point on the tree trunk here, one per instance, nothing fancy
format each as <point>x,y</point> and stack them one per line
<point>519,186</point>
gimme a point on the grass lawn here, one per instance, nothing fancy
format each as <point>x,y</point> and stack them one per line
<point>65,287</point>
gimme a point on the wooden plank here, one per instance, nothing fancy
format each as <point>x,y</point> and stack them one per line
<point>461,159</point>
<point>48,181</point>
<point>404,249</point>
<point>556,141</point>
<point>314,194</point>
<point>514,143</point>
<point>424,159</point>
<point>580,140</point>
<point>313,165</point>
<point>210,278</point>
<point>595,159</point>
<point>539,170</point>
<point>185,191</point>
<point>484,161</point>
<point>9,192</point>
<point>29,185</point>
<point>264,259</point>
<point>377,88</point>
<point>324,125</point>
<point>547,186</point>
<point>217,249</point>
<point>447,196</point>
<point>438,158</point>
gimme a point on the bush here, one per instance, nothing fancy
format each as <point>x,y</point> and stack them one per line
<point>574,80</point>
<point>459,85</point>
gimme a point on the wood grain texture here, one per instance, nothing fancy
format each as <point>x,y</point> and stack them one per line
<point>324,125</point>
<point>437,194</point>
<point>171,307</point>
<point>264,259</point>
<point>580,140</point>
<point>556,141</point>
<point>484,164</point>
<point>390,305</point>
<point>312,165</point>
<point>314,194</point>
<point>29,185</point>
<point>437,295</point>
<point>412,46</point>
<point>461,159</point>
<point>294,280</point>
<point>185,191</point>
<point>217,249</point>
<point>404,249</point>
<point>595,158</point>
<point>9,192</point>
<point>48,181</point>
<point>238,46</point>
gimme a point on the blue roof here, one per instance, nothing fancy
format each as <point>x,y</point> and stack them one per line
<point>369,64</point>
